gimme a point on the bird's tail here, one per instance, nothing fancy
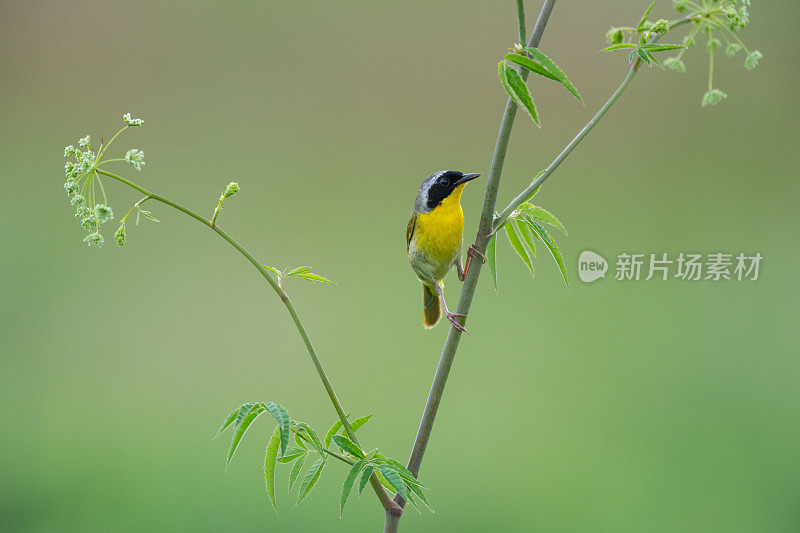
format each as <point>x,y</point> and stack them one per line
<point>431,313</point>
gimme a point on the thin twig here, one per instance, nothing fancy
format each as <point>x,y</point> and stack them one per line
<point>217,210</point>
<point>383,496</point>
<point>521,18</point>
<point>501,219</point>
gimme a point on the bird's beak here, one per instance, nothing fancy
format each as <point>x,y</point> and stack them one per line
<point>466,178</point>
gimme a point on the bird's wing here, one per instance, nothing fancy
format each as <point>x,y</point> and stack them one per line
<point>410,230</point>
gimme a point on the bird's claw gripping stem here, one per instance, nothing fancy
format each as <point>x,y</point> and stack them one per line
<point>452,318</point>
<point>473,251</point>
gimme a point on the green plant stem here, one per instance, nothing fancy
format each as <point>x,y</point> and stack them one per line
<point>102,189</point>
<point>338,456</point>
<point>521,18</point>
<point>468,289</point>
<point>136,206</point>
<point>104,148</point>
<point>523,196</point>
<point>217,210</point>
<point>326,450</point>
<point>501,219</point>
<point>710,69</point>
<point>383,496</point>
<point>485,230</point>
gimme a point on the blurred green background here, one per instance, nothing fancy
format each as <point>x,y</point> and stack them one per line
<point>649,406</point>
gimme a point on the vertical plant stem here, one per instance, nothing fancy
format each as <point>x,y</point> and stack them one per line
<point>711,69</point>
<point>468,289</point>
<point>217,210</point>
<point>521,17</point>
<point>383,496</point>
<point>481,240</point>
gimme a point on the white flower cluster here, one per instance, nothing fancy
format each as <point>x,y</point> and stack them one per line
<point>132,121</point>
<point>79,180</point>
<point>135,158</point>
<point>723,18</point>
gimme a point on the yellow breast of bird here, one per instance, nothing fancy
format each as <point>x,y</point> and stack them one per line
<point>439,232</point>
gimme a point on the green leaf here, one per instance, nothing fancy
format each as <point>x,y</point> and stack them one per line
<point>553,69</point>
<point>248,419</point>
<point>417,489</point>
<point>412,502</point>
<point>269,464</point>
<point>306,431</point>
<point>661,47</point>
<point>300,442</point>
<point>334,429</point>
<point>296,468</point>
<point>405,473</point>
<point>228,421</point>
<point>243,410</point>
<point>525,232</point>
<point>348,446</point>
<point>296,271</point>
<point>355,470</point>
<point>621,46</point>
<point>551,245</point>
<point>273,270</point>
<point>315,440</point>
<point>312,476</point>
<point>358,422</point>
<point>540,213</point>
<point>645,57</point>
<point>382,479</point>
<point>394,479</point>
<point>290,455</point>
<point>147,214</point>
<point>491,256</point>
<point>411,482</point>
<point>643,23</point>
<point>314,277</point>
<point>531,65</point>
<point>517,90</point>
<point>281,416</point>
<point>365,475</point>
<point>513,238</point>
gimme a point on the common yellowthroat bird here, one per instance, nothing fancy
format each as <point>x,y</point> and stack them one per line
<point>433,240</point>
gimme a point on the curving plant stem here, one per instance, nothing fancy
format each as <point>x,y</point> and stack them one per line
<point>501,219</point>
<point>383,496</point>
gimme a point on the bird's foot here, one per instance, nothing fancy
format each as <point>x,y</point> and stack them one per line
<point>453,319</point>
<point>473,251</point>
